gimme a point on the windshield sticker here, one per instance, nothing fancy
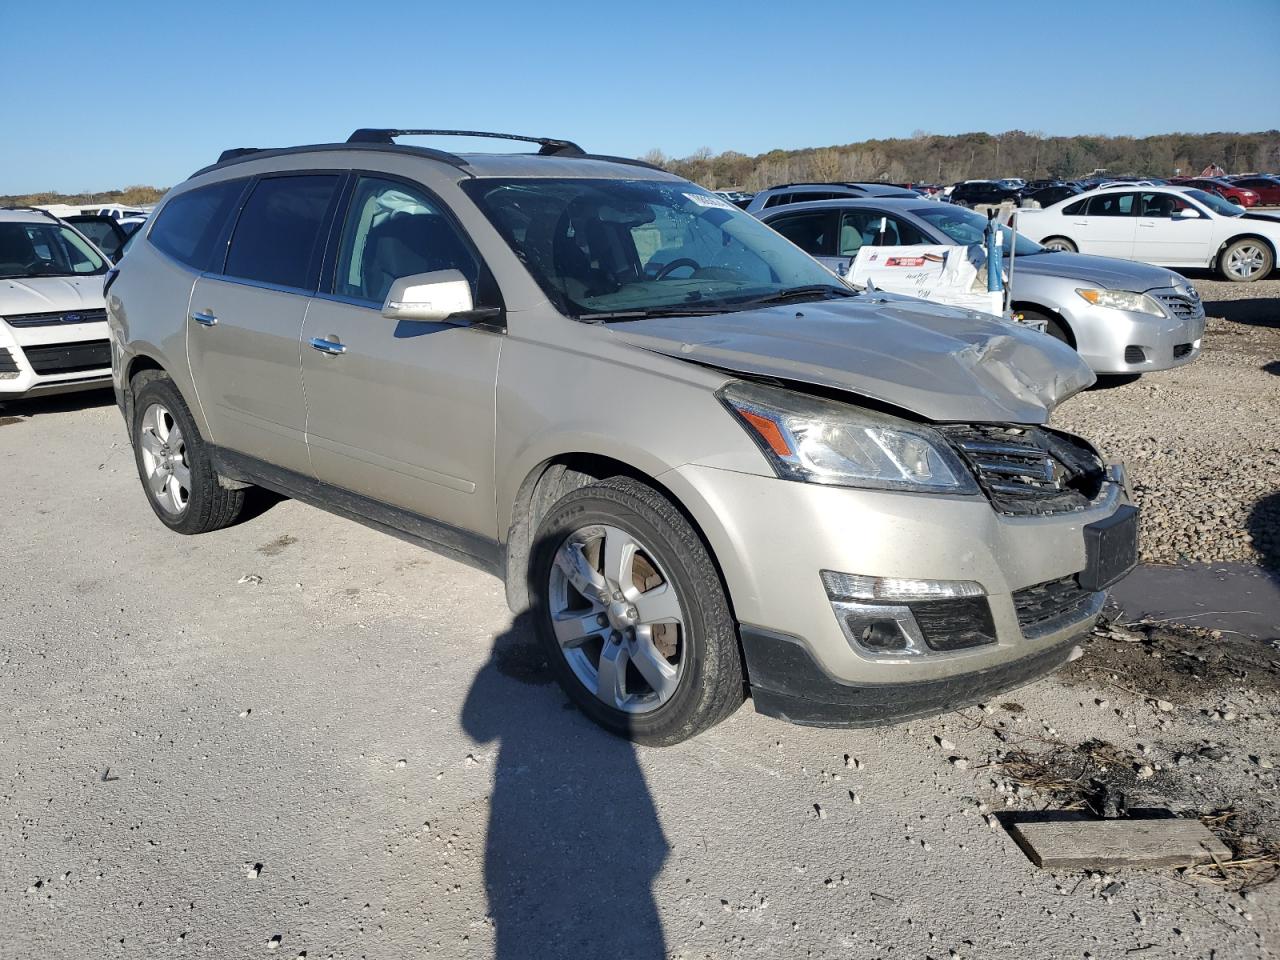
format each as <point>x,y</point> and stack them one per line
<point>908,261</point>
<point>707,200</point>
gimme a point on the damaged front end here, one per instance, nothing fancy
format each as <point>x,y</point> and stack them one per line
<point>933,361</point>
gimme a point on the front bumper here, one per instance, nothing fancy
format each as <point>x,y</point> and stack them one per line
<point>52,359</point>
<point>787,683</point>
<point>774,537</point>
<point>1118,341</point>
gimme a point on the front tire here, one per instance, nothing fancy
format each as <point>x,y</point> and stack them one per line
<point>1052,326</point>
<point>1060,245</point>
<point>632,614</point>
<point>173,461</point>
<point>1246,260</point>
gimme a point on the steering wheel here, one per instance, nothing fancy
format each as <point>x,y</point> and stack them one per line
<point>667,268</point>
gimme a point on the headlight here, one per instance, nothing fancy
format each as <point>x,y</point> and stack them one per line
<point>821,441</point>
<point>1122,300</point>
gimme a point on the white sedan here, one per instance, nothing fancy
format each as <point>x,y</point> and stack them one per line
<point>1166,225</point>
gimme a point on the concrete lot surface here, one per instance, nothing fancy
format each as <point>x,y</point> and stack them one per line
<point>362,756</point>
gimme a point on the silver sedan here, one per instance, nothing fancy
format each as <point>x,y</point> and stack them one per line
<point>1121,316</point>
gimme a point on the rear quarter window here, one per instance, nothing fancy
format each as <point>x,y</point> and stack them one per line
<point>188,226</point>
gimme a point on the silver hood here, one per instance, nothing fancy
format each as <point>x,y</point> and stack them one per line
<point>1105,272</point>
<point>938,362</point>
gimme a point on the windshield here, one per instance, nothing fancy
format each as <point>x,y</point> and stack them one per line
<point>599,247</point>
<point>45,250</point>
<point>966,227</point>
<point>1215,203</point>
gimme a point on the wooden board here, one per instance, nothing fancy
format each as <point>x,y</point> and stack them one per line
<point>1108,844</point>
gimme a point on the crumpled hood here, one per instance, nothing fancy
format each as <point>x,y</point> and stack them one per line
<point>1105,272</point>
<point>47,294</point>
<point>938,362</point>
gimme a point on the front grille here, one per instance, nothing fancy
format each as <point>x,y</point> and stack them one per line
<point>1181,307</point>
<point>1181,350</point>
<point>69,357</point>
<point>7,363</point>
<point>1134,354</point>
<point>1049,606</point>
<point>1029,470</point>
<point>53,319</point>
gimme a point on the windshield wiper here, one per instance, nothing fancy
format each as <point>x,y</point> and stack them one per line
<point>647,312</point>
<point>811,291</point>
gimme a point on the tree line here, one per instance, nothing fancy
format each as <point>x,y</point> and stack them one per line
<point>128,196</point>
<point>921,158</point>
<point>930,158</point>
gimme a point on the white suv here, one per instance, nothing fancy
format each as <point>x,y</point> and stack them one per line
<point>53,321</point>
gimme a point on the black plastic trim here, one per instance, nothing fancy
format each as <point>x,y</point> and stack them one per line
<point>548,146</point>
<point>464,546</point>
<point>787,683</point>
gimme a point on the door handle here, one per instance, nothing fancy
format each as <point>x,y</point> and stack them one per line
<point>331,348</point>
<point>1081,223</point>
<point>204,318</point>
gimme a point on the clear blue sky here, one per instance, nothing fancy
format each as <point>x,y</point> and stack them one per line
<point>101,95</point>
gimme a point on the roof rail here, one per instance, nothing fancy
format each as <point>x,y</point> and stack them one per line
<point>548,147</point>
<point>234,152</point>
<point>814,183</point>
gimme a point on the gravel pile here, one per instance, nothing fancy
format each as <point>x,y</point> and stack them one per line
<point>1202,442</point>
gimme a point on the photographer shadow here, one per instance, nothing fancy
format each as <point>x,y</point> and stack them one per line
<point>574,843</point>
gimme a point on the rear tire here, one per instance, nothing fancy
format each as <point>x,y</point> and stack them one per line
<point>174,463</point>
<point>1246,260</point>
<point>653,672</point>
<point>1060,244</point>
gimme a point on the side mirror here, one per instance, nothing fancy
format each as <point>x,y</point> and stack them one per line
<point>436,296</point>
<point>1186,213</point>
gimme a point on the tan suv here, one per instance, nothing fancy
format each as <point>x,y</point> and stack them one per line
<point>705,464</point>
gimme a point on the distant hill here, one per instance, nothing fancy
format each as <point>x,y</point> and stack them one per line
<point>929,158</point>
<point>130,196</point>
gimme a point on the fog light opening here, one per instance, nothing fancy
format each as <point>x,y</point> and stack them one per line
<point>883,636</point>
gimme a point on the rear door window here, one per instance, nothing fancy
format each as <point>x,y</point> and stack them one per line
<point>811,232</point>
<point>188,226</point>
<point>279,236</point>
<point>1113,205</point>
<point>875,228</point>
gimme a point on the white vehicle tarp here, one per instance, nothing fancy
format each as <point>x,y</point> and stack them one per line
<point>953,275</point>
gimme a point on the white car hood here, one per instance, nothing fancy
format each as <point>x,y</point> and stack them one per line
<point>50,294</point>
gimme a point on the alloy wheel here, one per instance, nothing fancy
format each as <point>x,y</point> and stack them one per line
<point>617,618</point>
<point>164,459</point>
<point>1246,260</point>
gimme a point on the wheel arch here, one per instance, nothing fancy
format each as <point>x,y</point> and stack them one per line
<point>137,364</point>
<point>553,478</point>
<point>1057,236</point>
<point>1261,238</point>
<point>1027,305</point>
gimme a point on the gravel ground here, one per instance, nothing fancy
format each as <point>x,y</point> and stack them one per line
<point>298,735</point>
<point>1202,442</point>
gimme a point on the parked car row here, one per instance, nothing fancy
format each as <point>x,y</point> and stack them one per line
<point>1121,317</point>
